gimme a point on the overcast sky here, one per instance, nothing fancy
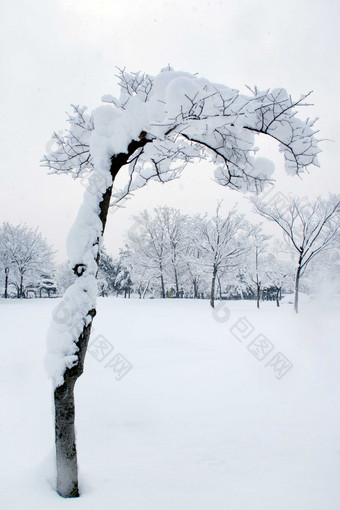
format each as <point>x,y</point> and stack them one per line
<point>55,53</point>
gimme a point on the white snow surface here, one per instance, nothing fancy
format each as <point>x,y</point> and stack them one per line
<point>197,423</point>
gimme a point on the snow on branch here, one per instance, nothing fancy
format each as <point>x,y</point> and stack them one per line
<point>275,116</point>
<point>73,155</point>
<point>184,117</point>
<point>310,227</point>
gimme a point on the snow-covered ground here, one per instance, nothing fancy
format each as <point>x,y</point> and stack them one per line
<point>198,422</point>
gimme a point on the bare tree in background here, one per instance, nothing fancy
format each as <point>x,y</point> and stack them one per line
<point>25,256</point>
<point>255,269</point>
<point>221,241</point>
<point>156,126</point>
<point>310,228</point>
<point>148,243</point>
<point>174,224</point>
<point>279,273</point>
<point>6,256</point>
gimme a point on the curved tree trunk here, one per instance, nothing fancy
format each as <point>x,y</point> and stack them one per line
<point>66,452</point>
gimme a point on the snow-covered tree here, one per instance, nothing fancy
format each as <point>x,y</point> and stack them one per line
<point>193,274</point>
<point>6,260</point>
<point>255,267</point>
<point>175,226</point>
<point>222,242</point>
<point>310,228</point>
<point>140,275</point>
<point>279,273</point>
<point>157,243</point>
<point>107,274</point>
<point>156,126</point>
<point>150,249</point>
<point>25,256</point>
<point>323,276</point>
<point>123,282</point>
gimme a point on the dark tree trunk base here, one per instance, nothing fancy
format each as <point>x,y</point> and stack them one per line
<point>66,453</point>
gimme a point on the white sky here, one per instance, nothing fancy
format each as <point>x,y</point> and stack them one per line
<point>55,53</point>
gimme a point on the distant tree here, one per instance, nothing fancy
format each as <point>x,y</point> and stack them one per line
<point>255,270</point>
<point>113,275</point>
<point>140,275</point>
<point>222,243</point>
<point>279,273</point>
<point>175,226</point>
<point>193,265</point>
<point>6,260</point>
<point>310,228</point>
<point>25,256</point>
<point>47,285</point>
<point>107,274</point>
<point>125,282</point>
<point>324,279</point>
<point>156,126</point>
<point>241,285</point>
<point>150,250</point>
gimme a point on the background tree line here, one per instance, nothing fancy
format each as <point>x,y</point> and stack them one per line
<point>172,255</point>
<point>169,254</point>
<point>26,263</point>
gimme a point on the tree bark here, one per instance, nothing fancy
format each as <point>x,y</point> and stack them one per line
<point>219,289</point>
<point>278,292</point>
<point>6,282</point>
<point>297,283</point>
<point>258,289</point>
<point>195,289</point>
<point>176,282</point>
<point>145,290</point>
<point>65,441</point>
<point>162,286</point>
<point>66,453</point>
<point>21,290</point>
<point>212,290</point>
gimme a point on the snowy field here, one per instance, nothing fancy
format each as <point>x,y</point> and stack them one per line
<point>197,423</point>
